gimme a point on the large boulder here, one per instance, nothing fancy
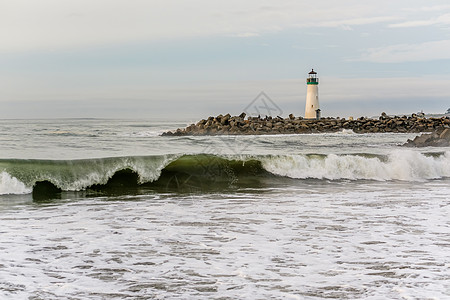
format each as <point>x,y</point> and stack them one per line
<point>440,138</point>
<point>445,134</point>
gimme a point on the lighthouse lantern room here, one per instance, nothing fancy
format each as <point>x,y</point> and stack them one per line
<point>312,109</point>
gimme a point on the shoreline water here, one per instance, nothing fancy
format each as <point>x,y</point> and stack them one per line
<point>240,125</point>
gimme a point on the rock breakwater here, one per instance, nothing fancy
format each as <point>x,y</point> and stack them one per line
<point>240,125</point>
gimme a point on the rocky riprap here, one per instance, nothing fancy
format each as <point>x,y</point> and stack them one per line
<point>439,138</point>
<point>240,125</point>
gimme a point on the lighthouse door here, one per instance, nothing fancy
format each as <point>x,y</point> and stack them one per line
<point>318,114</point>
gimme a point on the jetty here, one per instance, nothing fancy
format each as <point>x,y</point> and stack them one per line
<point>243,125</point>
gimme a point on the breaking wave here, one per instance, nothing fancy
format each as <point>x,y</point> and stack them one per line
<point>27,176</point>
<point>399,165</point>
<point>11,185</point>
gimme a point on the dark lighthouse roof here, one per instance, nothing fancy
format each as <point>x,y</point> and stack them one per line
<point>312,72</point>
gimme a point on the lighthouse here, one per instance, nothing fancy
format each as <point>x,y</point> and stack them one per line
<point>312,109</point>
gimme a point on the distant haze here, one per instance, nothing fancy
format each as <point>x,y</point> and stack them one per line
<point>192,59</point>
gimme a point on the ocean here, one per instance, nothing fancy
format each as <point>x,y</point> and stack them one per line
<point>109,209</point>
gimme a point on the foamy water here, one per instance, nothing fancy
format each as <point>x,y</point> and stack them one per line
<point>307,242</point>
<point>340,216</point>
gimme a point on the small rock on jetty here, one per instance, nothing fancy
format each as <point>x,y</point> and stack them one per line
<point>439,138</point>
<point>239,125</point>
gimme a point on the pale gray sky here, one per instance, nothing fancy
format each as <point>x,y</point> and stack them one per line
<point>173,58</point>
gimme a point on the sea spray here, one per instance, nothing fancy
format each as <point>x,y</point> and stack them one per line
<point>399,165</point>
<point>415,166</point>
<point>11,185</point>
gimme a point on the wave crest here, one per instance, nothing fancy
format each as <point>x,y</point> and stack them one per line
<point>21,176</point>
<point>77,175</point>
<point>406,165</point>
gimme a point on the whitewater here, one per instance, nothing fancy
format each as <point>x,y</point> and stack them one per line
<point>109,209</point>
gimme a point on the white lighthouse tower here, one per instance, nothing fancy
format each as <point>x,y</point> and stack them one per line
<point>312,109</point>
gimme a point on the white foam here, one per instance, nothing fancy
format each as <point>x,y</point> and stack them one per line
<point>143,134</point>
<point>346,131</point>
<point>11,185</point>
<point>404,165</point>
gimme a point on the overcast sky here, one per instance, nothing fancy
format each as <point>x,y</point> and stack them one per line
<point>180,58</point>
